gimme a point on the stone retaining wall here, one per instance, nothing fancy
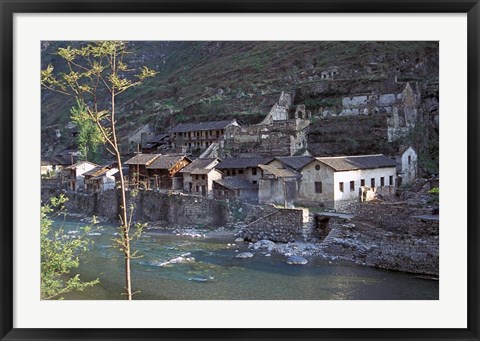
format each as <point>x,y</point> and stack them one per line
<point>150,206</point>
<point>282,225</point>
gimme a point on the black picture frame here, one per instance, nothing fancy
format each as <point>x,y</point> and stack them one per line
<point>9,8</point>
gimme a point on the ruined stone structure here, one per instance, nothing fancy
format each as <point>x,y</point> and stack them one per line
<point>278,134</point>
<point>401,108</point>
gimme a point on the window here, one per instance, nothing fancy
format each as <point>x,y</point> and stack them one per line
<point>382,181</point>
<point>318,187</point>
<point>240,171</point>
<point>409,159</point>
<point>317,167</point>
<point>362,182</point>
<point>197,189</point>
<point>352,186</point>
<point>234,172</point>
<point>372,182</point>
<point>254,171</point>
<point>228,173</point>
<point>340,186</point>
<point>254,182</point>
<point>390,179</point>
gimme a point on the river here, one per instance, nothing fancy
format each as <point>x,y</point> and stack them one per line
<point>214,273</point>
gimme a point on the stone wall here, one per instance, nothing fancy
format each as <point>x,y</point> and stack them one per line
<point>278,225</point>
<point>150,206</point>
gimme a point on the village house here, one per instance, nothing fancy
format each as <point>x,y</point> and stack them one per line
<point>333,181</point>
<point>155,143</point>
<point>295,163</point>
<point>137,169</point>
<point>407,165</point>
<point>53,165</point>
<point>163,172</point>
<point>244,168</point>
<point>200,136</point>
<point>101,178</point>
<point>235,188</point>
<point>277,186</point>
<point>73,176</point>
<point>199,175</point>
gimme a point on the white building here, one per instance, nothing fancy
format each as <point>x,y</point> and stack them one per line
<point>407,162</point>
<point>73,176</point>
<point>333,181</point>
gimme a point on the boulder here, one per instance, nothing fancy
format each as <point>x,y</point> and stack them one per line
<point>244,255</point>
<point>296,260</point>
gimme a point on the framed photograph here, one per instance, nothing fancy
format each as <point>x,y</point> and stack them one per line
<point>239,170</point>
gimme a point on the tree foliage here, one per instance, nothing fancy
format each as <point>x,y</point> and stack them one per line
<point>60,253</point>
<point>89,136</point>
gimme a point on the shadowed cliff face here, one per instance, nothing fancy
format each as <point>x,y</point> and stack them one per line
<point>200,81</point>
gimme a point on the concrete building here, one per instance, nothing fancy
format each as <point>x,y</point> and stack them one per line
<point>199,175</point>
<point>277,186</point>
<point>407,161</point>
<point>332,181</point>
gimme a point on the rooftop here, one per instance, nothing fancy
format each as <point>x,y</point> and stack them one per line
<point>142,159</point>
<point>295,162</point>
<point>166,161</point>
<point>200,166</point>
<point>233,182</point>
<point>211,125</point>
<point>346,163</point>
<point>79,163</point>
<point>232,163</point>
<point>279,172</point>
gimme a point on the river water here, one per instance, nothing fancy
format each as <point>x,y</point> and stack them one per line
<point>216,274</point>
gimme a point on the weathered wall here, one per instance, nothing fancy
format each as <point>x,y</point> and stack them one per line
<point>150,206</point>
<point>279,225</point>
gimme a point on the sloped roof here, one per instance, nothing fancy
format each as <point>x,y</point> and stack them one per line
<point>166,161</point>
<point>295,162</point>
<point>280,172</point>
<point>346,163</point>
<point>211,125</point>
<point>233,182</point>
<point>142,159</point>
<point>156,138</point>
<point>78,164</point>
<point>241,162</point>
<point>96,171</point>
<point>104,173</point>
<point>200,166</point>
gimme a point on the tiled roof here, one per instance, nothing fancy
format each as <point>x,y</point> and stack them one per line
<point>78,164</point>
<point>142,159</point>
<point>104,173</point>
<point>280,172</point>
<point>58,160</point>
<point>156,138</point>
<point>212,125</point>
<point>346,163</point>
<point>233,182</point>
<point>166,161</point>
<point>96,171</point>
<point>200,166</point>
<point>295,162</point>
<point>232,163</point>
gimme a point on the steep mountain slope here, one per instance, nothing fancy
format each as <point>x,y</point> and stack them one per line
<point>205,80</point>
